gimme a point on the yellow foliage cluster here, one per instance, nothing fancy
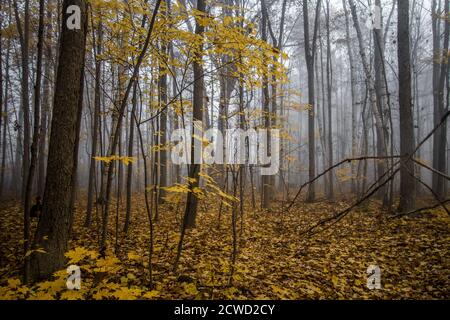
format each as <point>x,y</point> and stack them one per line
<point>124,159</point>
<point>210,189</point>
<point>232,37</point>
<point>96,272</point>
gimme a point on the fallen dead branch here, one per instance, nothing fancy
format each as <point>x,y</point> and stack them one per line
<point>374,187</point>
<point>402,214</point>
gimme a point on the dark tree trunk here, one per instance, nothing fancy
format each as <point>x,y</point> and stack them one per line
<point>45,110</point>
<point>194,169</point>
<point>330,189</point>
<point>52,233</point>
<point>95,130</point>
<point>267,187</point>
<point>310,49</point>
<point>115,129</point>
<point>24,40</point>
<point>25,111</point>
<point>407,182</point>
<point>378,121</point>
<point>380,93</point>
<point>162,86</point>
<point>130,166</point>
<point>35,142</point>
<point>352,89</point>
<point>440,72</point>
<point>2,118</point>
<point>5,123</point>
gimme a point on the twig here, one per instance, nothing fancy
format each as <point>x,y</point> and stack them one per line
<point>429,189</point>
<point>342,213</point>
<point>418,210</point>
<point>431,169</point>
<point>331,168</point>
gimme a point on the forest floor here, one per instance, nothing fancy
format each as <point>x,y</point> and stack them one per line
<point>274,260</point>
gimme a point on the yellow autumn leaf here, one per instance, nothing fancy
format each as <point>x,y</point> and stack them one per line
<point>151,294</point>
<point>80,253</point>
<point>335,280</point>
<point>72,295</point>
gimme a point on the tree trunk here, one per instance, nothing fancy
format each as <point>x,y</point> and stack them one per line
<point>162,87</point>
<point>310,49</point>
<point>353,96</point>
<point>330,189</point>
<point>380,132</point>
<point>52,233</point>
<point>45,110</point>
<point>380,94</point>
<point>407,182</point>
<point>24,35</point>
<point>130,166</point>
<point>440,67</point>
<point>115,130</point>
<point>95,130</point>
<point>267,188</point>
<point>194,169</point>
<point>5,122</point>
<point>36,129</point>
<point>2,115</point>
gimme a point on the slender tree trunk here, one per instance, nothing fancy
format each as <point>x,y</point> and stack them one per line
<point>95,130</point>
<point>2,114</point>
<point>162,87</point>
<point>330,191</point>
<point>130,153</point>
<point>267,190</point>
<point>440,72</point>
<point>352,90</point>
<point>6,130</point>
<point>115,133</point>
<point>35,142</point>
<point>25,111</point>
<point>380,131</point>
<point>281,179</point>
<point>130,166</point>
<point>24,35</point>
<point>190,213</point>
<point>320,107</point>
<point>380,94</point>
<point>194,169</point>
<point>407,182</point>
<point>310,49</point>
<point>46,105</point>
<point>435,12</point>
